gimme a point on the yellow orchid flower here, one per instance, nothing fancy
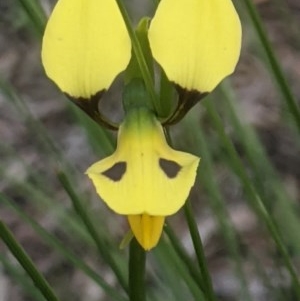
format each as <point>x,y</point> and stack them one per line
<point>86,45</point>
<point>144,176</point>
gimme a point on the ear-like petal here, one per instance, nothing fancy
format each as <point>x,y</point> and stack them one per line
<point>85,46</point>
<point>144,175</point>
<point>196,42</point>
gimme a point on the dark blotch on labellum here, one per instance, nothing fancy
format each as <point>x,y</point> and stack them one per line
<point>116,172</point>
<point>170,168</point>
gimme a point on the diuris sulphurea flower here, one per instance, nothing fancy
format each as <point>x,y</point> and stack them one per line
<point>144,178</point>
<point>86,45</point>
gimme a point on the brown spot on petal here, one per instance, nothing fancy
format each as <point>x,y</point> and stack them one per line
<point>170,168</point>
<point>116,172</point>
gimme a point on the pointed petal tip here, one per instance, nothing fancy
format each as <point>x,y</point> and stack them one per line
<point>146,229</point>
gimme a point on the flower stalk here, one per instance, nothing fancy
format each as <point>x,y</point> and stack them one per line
<point>137,263</point>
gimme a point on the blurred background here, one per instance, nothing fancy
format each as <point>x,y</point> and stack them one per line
<point>41,134</point>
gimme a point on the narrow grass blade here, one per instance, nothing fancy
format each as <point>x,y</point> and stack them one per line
<point>35,14</point>
<point>217,203</point>
<point>176,271</point>
<point>100,243</point>
<point>291,22</point>
<point>197,243</point>
<point>19,253</point>
<point>21,278</point>
<point>264,172</point>
<point>33,124</point>
<point>252,193</point>
<point>181,252</point>
<point>198,247</point>
<point>274,64</point>
<point>63,250</point>
<point>38,197</point>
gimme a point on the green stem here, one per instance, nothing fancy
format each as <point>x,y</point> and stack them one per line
<point>19,253</point>
<point>207,284</point>
<point>137,263</point>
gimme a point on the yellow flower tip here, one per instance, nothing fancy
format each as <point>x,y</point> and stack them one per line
<point>85,46</point>
<point>144,175</point>
<point>196,42</point>
<point>146,229</point>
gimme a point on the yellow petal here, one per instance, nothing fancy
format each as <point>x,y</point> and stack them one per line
<point>196,42</point>
<point>85,46</point>
<point>146,229</point>
<point>144,175</point>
